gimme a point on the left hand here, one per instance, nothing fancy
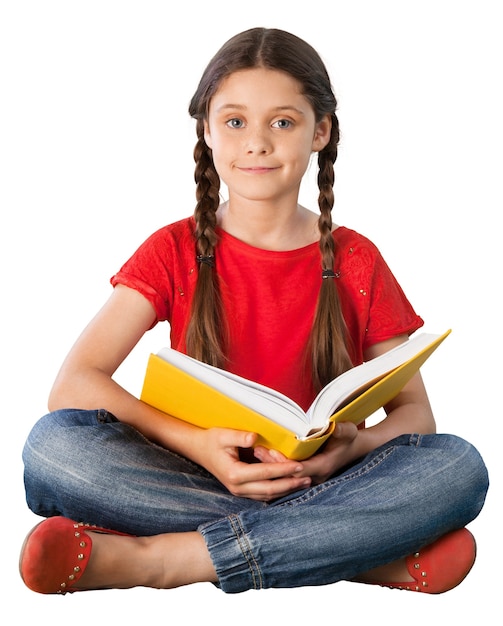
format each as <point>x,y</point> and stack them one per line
<point>339,450</point>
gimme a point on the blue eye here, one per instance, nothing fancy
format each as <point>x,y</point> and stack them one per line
<point>282,124</point>
<point>235,122</point>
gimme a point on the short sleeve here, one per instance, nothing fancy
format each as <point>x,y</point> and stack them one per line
<point>375,306</point>
<point>160,268</point>
<point>391,313</point>
<point>143,273</point>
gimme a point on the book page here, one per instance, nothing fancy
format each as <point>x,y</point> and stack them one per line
<point>349,384</point>
<point>284,411</point>
<point>264,400</point>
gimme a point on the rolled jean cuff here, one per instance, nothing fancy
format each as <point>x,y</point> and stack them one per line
<point>232,556</point>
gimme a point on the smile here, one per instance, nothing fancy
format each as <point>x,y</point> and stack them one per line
<point>257,170</point>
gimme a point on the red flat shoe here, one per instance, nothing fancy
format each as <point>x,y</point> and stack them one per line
<point>55,554</point>
<point>442,565</point>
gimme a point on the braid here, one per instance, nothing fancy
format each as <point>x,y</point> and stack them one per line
<point>277,50</point>
<point>328,343</point>
<point>204,337</point>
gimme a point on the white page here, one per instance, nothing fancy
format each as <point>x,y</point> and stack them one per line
<point>263,400</point>
<point>280,408</point>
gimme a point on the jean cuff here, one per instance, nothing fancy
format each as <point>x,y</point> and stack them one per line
<point>230,550</point>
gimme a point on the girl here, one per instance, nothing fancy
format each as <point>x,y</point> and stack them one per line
<point>274,292</point>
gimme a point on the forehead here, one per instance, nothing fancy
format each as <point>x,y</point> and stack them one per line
<point>259,88</point>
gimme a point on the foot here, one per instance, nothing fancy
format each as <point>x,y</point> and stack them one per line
<point>397,570</point>
<point>436,568</point>
<point>60,555</point>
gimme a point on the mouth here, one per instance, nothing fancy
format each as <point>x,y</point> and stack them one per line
<point>257,170</point>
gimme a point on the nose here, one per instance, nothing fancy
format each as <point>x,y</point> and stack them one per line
<point>258,141</point>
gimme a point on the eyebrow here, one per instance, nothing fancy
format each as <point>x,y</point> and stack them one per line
<point>242,107</point>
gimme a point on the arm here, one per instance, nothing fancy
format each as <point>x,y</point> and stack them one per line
<point>408,412</point>
<point>85,378</point>
<point>85,381</point>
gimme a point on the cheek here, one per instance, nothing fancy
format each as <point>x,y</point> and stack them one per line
<point>304,155</point>
<point>222,150</point>
<point>220,161</point>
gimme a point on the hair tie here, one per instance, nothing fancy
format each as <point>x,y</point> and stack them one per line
<point>329,274</point>
<point>208,259</point>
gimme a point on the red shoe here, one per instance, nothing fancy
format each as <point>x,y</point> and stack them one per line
<point>55,554</point>
<point>442,565</point>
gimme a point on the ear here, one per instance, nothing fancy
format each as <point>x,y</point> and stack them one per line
<point>322,133</point>
<point>207,134</point>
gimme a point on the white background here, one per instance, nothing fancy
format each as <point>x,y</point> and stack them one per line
<point>96,153</point>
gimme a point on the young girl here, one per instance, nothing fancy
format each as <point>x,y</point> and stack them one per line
<point>274,292</point>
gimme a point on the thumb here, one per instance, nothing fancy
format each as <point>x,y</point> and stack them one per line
<point>238,438</point>
<point>345,430</point>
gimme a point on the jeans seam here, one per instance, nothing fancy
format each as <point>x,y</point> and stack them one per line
<point>415,440</point>
<point>244,546</point>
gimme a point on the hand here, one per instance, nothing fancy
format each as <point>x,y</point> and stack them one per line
<point>219,454</point>
<point>340,449</point>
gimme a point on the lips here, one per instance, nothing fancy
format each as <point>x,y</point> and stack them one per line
<point>257,169</point>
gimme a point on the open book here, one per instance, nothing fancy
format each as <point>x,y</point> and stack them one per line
<point>211,397</point>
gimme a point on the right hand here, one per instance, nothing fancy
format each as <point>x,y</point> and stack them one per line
<point>218,452</point>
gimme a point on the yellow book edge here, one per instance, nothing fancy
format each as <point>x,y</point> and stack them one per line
<point>379,393</point>
<point>183,396</point>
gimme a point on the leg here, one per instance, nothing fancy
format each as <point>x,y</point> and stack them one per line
<point>87,466</point>
<point>161,561</point>
<point>401,497</point>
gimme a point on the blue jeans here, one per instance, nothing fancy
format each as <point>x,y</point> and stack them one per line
<point>88,466</point>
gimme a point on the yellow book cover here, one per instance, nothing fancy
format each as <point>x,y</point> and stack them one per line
<point>209,397</point>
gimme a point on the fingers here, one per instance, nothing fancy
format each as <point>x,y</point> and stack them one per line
<point>271,468</point>
<point>234,438</point>
<point>271,489</point>
<point>264,481</point>
<point>269,456</point>
<point>345,430</point>
<point>253,472</point>
<point>338,451</point>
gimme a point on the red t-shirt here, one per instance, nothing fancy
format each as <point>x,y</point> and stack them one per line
<point>269,299</point>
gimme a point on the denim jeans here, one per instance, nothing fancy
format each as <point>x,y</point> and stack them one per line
<point>88,466</point>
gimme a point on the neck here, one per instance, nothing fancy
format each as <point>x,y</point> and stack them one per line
<point>279,228</point>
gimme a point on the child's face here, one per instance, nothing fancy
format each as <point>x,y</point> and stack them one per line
<point>262,131</point>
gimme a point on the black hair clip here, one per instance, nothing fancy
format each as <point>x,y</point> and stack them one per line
<point>329,274</point>
<point>208,259</point>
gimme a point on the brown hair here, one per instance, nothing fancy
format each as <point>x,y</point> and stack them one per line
<point>277,50</point>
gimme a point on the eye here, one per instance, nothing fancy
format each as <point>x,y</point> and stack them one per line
<point>282,124</point>
<point>235,122</point>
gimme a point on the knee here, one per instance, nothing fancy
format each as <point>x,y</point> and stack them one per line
<point>52,440</point>
<point>39,437</point>
<point>50,453</point>
<point>466,473</point>
<point>44,437</point>
<point>39,457</point>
